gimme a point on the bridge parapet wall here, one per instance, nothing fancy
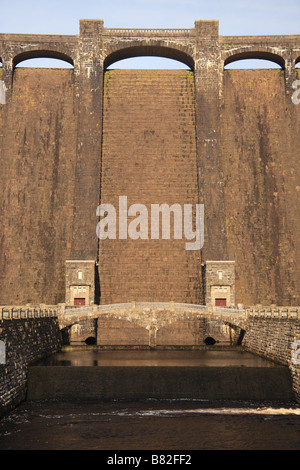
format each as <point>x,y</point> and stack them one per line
<point>274,312</point>
<point>141,32</point>
<point>34,311</point>
<point>155,324</point>
<point>67,312</point>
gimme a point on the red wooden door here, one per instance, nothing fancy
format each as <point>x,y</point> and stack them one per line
<point>220,302</point>
<point>79,301</point>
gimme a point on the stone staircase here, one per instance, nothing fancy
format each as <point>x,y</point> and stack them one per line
<point>149,155</point>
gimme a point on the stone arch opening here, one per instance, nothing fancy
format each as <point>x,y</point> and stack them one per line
<point>261,59</point>
<point>297,63</point>
<point>149,51</point>
<point>209,341</point>
<point>240,337</point>
<point>149,63</point>
<point>91,340</point>
<point>80,331</point>
<point>43,58</point>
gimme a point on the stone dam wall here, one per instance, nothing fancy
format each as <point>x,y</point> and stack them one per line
<point>38,155</point>
<point>259,164</point>
<point>149,155</point>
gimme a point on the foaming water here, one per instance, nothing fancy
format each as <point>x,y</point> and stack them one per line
<point>152,425</point>
<point>221,411</point>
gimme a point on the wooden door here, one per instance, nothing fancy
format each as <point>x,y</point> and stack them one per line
<point>220,302</point>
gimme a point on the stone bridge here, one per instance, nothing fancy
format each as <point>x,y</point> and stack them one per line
<point>268,329</point>
<point>154,324</point>
<point>169,324</point>
<point>31,331</point>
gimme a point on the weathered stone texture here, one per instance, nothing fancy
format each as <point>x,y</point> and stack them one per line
<point>80,281</point>
<point>89,83</point>
<point>260,159</point>
<point>149,155</point>
<point>25,341</point>
<point>37,186</point>
<point>156,326</point>
<point>228,139</point>
<point>274,338</point>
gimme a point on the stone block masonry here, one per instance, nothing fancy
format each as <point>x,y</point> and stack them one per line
<point>276,337</point>
<point>260,140</point>
<point>231,137</point>
<point>149,155</point>
<point>26,340</point>
<point>219,281</point>
<point>80,282</point>
<point>158,327</point>
<point>37,187</point>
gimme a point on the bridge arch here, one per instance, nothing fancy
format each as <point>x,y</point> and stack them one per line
<point>254,54</point>
<point>79,330</point>
<point>153,49</point>
<point>156,324</point>
<point>41,53</point>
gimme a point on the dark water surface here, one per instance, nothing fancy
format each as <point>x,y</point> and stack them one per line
<point>152,424</point>
<point>89,356</point>
<point>183,425</point>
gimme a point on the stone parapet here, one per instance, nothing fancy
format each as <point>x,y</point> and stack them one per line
<point>17,312</point>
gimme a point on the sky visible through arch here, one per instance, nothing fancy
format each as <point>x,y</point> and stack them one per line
<point>236,17</point>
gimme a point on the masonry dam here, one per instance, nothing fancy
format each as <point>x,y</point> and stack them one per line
<point>220,321</point>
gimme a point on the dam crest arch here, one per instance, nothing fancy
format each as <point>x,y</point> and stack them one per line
<point>149,48</point>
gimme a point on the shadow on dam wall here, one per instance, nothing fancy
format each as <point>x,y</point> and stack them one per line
<point>87,374</point>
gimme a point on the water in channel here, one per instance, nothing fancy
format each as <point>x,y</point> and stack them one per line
<point>152,424</point>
